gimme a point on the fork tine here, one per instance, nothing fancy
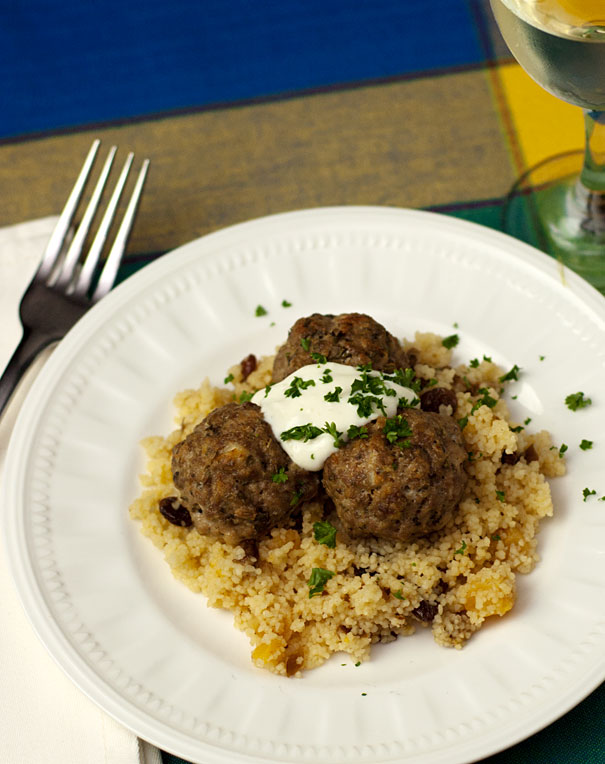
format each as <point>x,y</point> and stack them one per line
<point>75,248</point>
<point>110,269</point>
<point>55,243</point>
<point>85,276</point>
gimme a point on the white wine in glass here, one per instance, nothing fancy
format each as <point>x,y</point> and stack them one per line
<point>561,45</point>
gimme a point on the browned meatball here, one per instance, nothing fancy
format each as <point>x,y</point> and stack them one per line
<point>234,477</point>
<point>353,339</point>
<point>400,483</point>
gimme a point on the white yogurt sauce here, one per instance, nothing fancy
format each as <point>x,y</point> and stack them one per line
<point>298,401</point>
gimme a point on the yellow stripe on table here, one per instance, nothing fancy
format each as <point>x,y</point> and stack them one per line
<point>544,125</point>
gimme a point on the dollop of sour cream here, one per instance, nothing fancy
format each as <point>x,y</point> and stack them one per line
<point>316,409</point>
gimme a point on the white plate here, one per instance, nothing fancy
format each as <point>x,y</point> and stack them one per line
<point>147,650</point>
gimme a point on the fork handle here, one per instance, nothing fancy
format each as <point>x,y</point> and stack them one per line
<point>28,348</point>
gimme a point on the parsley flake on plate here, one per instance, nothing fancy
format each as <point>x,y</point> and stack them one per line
<point>260,311</point>
<point>228,378</point>
<point>324,533</point>
<point>286,304</point>
<point>588,492</point>
<point>511,375</point>
<point>451,341</point>
<point>319,578</point>
<point>305,343</point>
<point>576,401</point>
<point>585,445</point>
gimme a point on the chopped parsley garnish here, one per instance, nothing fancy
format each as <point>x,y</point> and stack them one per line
<point>245,396</point>
<point>462,548</point>
<point>279,476</point>
<point>542,357</point>
<point>587,492</point>
<point>357,432</point>
<point>404,403</point>
<point>319,578</point>
<point>334,395</point>
<point>297,386</point>
<point>330,428</point>
<point>451,341</point>
<point>473,363</point>
<point>286,304</point>
<point>562,450</point>
<point>513,374</point>
<point>495,537</point>
<point>324,533</point>
<point>463,422</point>
<point>397,431</point>
<point>365,391</point>
<point>518,428</point>
<point>305,343</point>
<point>302,432</point>
<point>485,400</point>
<point>372,385</point>
<point>406,378</point>
<point>365,404</point>
<point>585,445</point>
<point>527,421</point>
<point>319,358</point>
<point>487,358</point>
<point>267,390</point>
<point>260,311</point>
<point>576,401</point>
<point>500,495</point>
<point>228,378</point>
<point>296,497</point>
<point>327,376</point>
<point>398,594</point>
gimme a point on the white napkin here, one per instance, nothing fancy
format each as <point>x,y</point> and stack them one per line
<point>44,718</point>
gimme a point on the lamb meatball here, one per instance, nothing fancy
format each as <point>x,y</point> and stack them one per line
<point>353,339</point>
<point>403,489</point>
<point>224,471</point>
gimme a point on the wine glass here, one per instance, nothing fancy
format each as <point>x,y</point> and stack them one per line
<point>561,45</point>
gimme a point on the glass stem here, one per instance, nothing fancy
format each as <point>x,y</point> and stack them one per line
<point>590,190</point>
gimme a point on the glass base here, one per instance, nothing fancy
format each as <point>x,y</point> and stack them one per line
<point>549,208</point>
